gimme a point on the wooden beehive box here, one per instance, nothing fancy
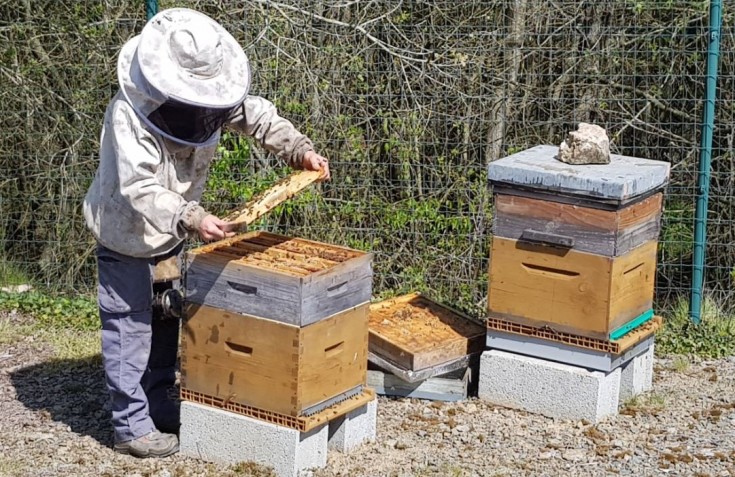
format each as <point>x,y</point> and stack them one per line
<point>286,279</point>
<point>574,246</point>
<point>574,292</point>
<point>270,365</point>
<point>415,332</point>
<point>586,229</point>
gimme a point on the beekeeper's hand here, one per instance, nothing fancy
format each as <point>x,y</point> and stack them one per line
<point>314,162</point>
<point>214,228</point>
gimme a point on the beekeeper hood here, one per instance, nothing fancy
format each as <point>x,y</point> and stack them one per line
<point>184,75</point>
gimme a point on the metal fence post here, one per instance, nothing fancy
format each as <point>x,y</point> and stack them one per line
<point>705,158</point>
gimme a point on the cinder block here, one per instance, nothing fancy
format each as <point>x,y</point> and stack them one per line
<point>636,376</point>
<point>548,388</point>
<point>220,436</point>
<point>355,428</point>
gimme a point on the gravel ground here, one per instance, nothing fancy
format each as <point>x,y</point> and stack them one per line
<point>53,422</point>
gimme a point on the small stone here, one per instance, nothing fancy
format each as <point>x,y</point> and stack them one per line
<point>589,144</point>
<point>462,429</point>
<point>471,408</point>
<point>17,288</point>
<point>546,455</point>
<point>574,455</point>
<point>421,433</point>
<point>401,445</point>
<point>554,444</point>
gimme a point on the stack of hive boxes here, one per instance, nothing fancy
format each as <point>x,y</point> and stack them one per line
<point>276,329</point>
<point>573,258</point>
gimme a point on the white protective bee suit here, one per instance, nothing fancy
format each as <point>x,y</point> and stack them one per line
<point>181,80</point>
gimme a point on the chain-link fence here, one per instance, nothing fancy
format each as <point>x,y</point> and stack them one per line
<point>410,100</point>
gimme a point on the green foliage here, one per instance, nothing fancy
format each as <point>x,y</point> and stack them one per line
<point>77,313</point>
<point>713,337</point>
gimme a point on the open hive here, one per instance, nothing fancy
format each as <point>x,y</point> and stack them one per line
<point>275,326</point>
<point>415,332</point>
<point>287,279</point>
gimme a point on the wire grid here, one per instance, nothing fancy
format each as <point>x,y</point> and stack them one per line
<point>410,100</point>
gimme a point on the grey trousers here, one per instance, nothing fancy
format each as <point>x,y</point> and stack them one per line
<point>138,352</point>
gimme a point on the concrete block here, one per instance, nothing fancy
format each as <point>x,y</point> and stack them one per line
<point>215,435</point>
<point>355,428</point>
<point>636,376</point>
<point>548,388</point>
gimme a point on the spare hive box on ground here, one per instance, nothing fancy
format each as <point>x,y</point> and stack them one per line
<point>415,332</point>
<point>285,279</point>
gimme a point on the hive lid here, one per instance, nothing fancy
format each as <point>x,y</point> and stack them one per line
<point>537,168</point>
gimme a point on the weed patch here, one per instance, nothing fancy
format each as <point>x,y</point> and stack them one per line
<point>54,312</point>
<point>713,337</point>
<point>644,404</point>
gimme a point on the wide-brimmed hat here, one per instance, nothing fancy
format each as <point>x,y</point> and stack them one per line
<point>186,56</point>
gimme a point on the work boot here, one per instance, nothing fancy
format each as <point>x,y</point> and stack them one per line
<point>154,444</point>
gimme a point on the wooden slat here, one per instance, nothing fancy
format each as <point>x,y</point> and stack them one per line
<point>333,356</point>
<point>573,215</point>
<point>275,252</point>
<point>640,212</point>
<point>416,333</point>
<point>271,198</point>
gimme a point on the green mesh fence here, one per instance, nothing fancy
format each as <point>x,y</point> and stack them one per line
<point>410,100</point>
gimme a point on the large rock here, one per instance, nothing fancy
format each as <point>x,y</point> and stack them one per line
<point>589,144</point>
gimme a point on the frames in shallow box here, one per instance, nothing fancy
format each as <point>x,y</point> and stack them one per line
<point>281,278</point>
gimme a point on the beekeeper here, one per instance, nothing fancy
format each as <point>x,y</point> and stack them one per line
<point>182,80</point>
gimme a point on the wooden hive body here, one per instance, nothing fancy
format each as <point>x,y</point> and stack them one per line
<point>575,292</point>
<point>285,279</point>
<point>588,229</point>
<point>271,365</point>
<point>415,333</point>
